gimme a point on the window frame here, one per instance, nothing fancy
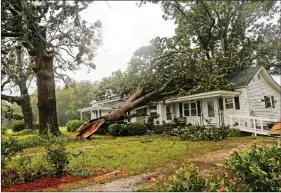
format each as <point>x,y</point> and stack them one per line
<point>227,103</point>
<point>195,108</point>
<point>184,109</point>
<point>170,112</point>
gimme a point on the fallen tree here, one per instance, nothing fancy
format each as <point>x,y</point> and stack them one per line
<point>212,40</point>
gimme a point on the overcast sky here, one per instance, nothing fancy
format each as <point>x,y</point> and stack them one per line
<point>125,28</point>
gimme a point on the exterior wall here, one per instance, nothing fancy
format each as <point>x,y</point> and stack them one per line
<point>244,107</point>
<point>258,88</point>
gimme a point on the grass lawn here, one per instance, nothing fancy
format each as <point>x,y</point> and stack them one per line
<point>139,154</point>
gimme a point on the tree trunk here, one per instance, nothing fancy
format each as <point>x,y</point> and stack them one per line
<point>46,94</point>
<point>135,100</point>
<point>26,106</point>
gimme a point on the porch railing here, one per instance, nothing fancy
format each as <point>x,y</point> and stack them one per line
<point>251,124</point>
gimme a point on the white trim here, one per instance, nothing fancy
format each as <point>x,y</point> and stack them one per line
<point>94,108</point>
<point>104,101</point>
<point>268,78</point>
<point>140,107</point>
<point>205,95</point>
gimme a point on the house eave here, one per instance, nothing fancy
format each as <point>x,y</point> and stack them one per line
<point>209,94</point>
<point>94,108</point>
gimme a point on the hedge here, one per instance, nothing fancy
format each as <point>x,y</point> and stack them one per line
<point>73,125</point>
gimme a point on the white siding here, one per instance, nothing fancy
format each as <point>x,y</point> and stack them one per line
<point>258,88</point>
<point>244,106</point>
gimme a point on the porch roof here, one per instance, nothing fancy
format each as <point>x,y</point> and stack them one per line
<point>94,108</point>
<point>208,94</point>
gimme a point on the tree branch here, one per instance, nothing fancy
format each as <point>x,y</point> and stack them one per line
<point>5,82</point>
<point>12,99</point>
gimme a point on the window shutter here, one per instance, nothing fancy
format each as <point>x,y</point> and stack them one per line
<point>199,108</point>
<point>273,102</point>
<point>237,103</point>
<point>265,101</point>
<point>180,107</point>
<point>221,103</point>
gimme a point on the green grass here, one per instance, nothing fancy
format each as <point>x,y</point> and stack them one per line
<point>139,154</point>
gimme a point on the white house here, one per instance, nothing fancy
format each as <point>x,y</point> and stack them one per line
<point>256,95</point>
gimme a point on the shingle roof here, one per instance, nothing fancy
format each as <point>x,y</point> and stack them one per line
<point>243,77</point>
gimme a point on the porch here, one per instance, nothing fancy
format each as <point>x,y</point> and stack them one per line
<point>208,108</point>
<point>251,124</point>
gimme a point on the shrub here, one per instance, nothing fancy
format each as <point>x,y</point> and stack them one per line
<point>3,130</point>
<point>57,157</point>
<point>197,133</point>
<point>115,129</point>
<point>73,125</point>
<point>18,126</point>
<point>165,128</point>
<point>9,148</point>
<point>270,124</point>
<point>26,132</point>
<point>131,129</point>
<point>136,129</point>
<point>233,132</point>
<point>255,170</point>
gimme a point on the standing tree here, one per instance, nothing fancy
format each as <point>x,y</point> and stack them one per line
<point>50,30</point>
<point>16,71</point>
<point>212,39</point>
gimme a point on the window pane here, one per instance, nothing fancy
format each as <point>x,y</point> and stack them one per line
<point>168,113</point>
<point>229,106</point>
<point>193,112</point>
<point>211,109</point>
<point>186,109</point>
<point>193,105</point>
<point>193,109</point>
<point>186,112</point>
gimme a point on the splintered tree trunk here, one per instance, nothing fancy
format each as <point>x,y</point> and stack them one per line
<point>46,94</point>
<point>135,100</point>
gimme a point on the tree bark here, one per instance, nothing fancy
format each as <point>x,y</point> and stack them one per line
<point>46,94</point>
<point>134,101</point>
<point>26,106</point>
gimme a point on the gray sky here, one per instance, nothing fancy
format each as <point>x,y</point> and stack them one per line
<point>125,28</point>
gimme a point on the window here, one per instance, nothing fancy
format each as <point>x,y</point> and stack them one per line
<point>186,109</point>
<point>269,101</point>
<point>153,112</point>
<point>193,109</point>
<point>140,112</point>
<point>168,112</point>
<point>211,109</point>
<point>199,108</point>
<point>236,103</point>
<point>229,103</point>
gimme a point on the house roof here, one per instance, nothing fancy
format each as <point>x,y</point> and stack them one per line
<point>242,77</point>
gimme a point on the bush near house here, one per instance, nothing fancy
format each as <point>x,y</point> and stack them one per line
<point>73,125</point>
<point>131,129</point>
<point>256,170</point>
<point>18,126</point>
